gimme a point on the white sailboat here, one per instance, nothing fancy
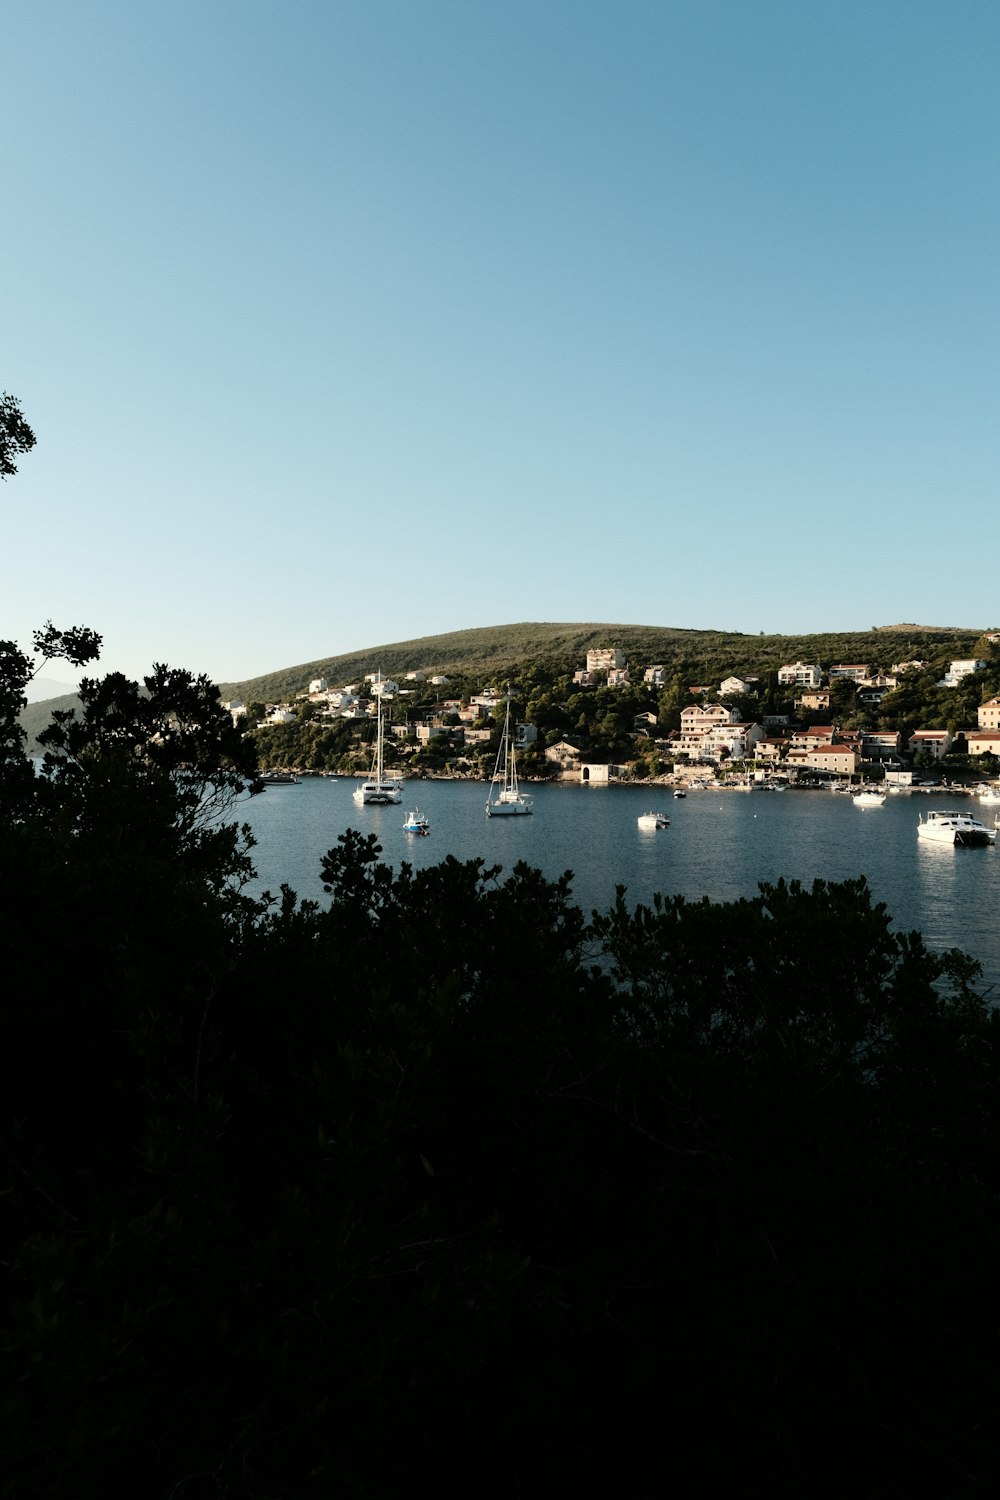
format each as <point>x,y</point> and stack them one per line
<point>505,799</point>
<point>379,788</point>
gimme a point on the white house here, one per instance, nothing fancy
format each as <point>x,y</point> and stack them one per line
<point>738,687</point>
<point>657,676</point>
<point>959,670</point>
<point>989,714</point>
<point>737,740</point>
<point>850,671</point>
<point>800,674</point>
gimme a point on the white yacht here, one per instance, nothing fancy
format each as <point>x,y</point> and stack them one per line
<point>868,798</point>
<point>652,820</point>
<point>379,788</point>
<point>505,799</point>
<point>959,828</point>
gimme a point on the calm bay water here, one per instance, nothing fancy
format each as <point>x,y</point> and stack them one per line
<point>719,844</point>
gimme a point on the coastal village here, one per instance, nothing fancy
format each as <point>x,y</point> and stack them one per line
<point>719,739</point>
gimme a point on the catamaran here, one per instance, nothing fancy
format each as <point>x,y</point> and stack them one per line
<point>505,800</point>
<point>379,788</point>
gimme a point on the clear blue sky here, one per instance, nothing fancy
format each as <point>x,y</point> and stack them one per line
<point>345,321</point>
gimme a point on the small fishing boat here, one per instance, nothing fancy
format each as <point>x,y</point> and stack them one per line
<point>650,821</point>
<point>416,822</point>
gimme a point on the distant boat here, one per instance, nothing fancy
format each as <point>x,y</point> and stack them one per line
<point>868,798</point>
<point>680,794</point>
<point>416,822</point>
<point>650,821</point>
<point>379,788</point>
<point>278,778</point>
<point>505,799</point>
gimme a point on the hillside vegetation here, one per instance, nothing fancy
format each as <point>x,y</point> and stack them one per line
<point>495,649</point>
<point>493,653</point>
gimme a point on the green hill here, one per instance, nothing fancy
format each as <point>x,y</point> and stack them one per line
<point>492,652</point>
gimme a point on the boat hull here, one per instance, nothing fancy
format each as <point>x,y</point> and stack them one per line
<point>508,809</point>
<point>378,793</point>
<point>958,829</point>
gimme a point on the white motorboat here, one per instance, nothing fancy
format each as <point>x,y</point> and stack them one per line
<point>868,798</point>
<point>379,788</point>
<point>679,793</point>
<point>505,799</point>
<point>416,822</point>
<point>959,828</point>
<point>988,794</point>
<point>652,820</point>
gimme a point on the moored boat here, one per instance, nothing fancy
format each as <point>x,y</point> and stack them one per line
<point>958,828</point>
<point>652,820</point>
<point>505,799</point>
<point>379,788</point>
<point>416,822</point>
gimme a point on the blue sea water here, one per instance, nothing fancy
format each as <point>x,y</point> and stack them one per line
<point>719,844</point>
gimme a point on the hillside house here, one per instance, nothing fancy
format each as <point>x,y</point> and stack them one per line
<point>836,760</point>
<point>655,676</point>
<point>959,670</point>
<point>770,749</point>
<point>739,687</point>
<point>989,714</point>
<point>882,744</point>
<point>800,674</point>
<point>563,754</point>
<point>935,742</point>
<point>618,677</point>
<point>814,702</point>
<point>698,723</point>
<point>605,659</point>
<point>850,671</point>
<point>815,734</point>
<point>983,741</point>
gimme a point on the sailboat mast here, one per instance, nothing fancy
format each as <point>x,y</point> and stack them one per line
<point>378,730</point>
